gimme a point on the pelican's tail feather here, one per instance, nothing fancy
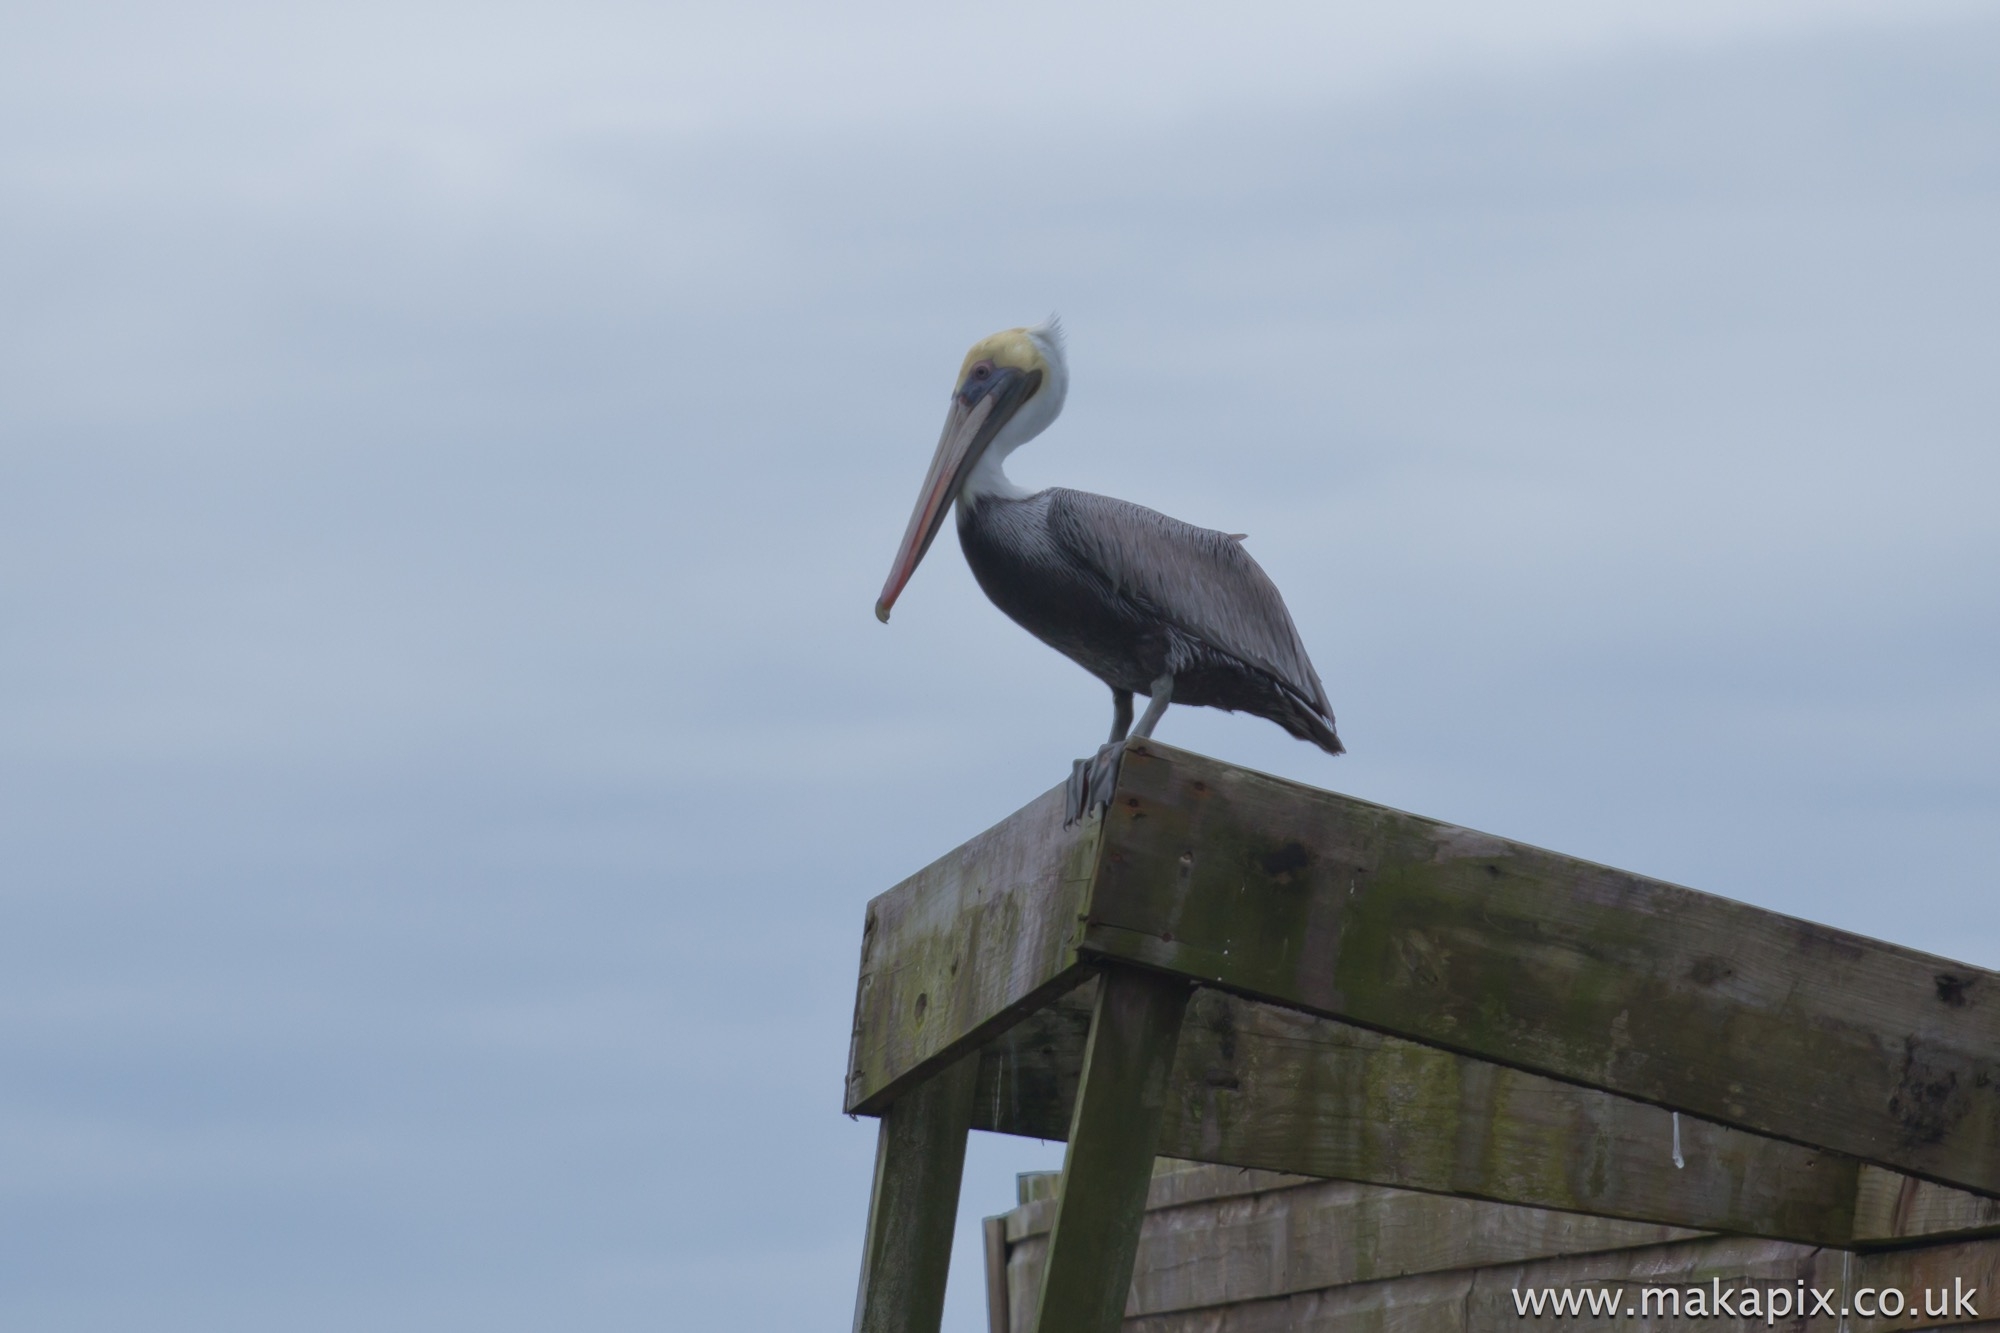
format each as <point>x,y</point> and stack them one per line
<point>1306,722</point>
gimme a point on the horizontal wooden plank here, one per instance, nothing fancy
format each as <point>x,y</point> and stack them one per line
<point>965,946</point>
<point>1276,1089</point>
<point>1224,1248</point>
<point>1716,1263</point>
<point>1231,1250</point>
<point>1891,1207</point>
<point>1286,1089</point>
<point>1035,1186</point>
<point>1927,1278</point>
<point>1431,1303</point>
<point>1175,1183</point>
<point>1526,958</point>
<point>1852,1282</point>
<point>1482,1299</point>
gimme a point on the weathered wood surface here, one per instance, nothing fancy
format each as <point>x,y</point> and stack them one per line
<point>1920,1273</point>
<point>1135,1024</point>
<point>1218,1247</point>
<point>1713,1263</point>
<point>1527,958</point>
<point>1259,1086</point>
<point>1892,1207</point>
<point>1225,1251</point>
<point>919,1161</point>
<point>1174,1183</point>
<point>1973,1264</point>
<point>998,1316</point>
<point>965,946</point>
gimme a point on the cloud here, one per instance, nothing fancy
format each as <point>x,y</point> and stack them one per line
<point>447,459</point>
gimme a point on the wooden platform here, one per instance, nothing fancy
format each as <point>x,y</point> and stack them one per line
<point>1225,1250</point>
<point>1234,969</point>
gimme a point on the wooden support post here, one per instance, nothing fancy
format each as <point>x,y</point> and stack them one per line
<point>1116,1126</point>
<point>999,1319</point>
<point>919,1158</point>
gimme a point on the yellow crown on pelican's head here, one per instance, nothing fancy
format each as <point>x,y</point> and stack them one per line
<point>1022,349</point>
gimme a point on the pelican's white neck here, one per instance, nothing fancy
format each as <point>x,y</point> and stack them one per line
<point>989,479</point>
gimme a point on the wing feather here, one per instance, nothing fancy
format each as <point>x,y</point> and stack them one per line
<point>1201,581</point>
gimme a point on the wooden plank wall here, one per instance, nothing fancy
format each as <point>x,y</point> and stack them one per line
<point>1228,1250</point>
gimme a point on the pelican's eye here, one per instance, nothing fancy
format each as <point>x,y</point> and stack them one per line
<point>982,371</point>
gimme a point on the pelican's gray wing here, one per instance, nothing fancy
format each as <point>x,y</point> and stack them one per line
<point>1200,581</point>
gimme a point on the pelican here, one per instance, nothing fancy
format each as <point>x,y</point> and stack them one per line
<point>1148,604</point>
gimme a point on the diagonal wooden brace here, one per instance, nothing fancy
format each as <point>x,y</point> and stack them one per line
<point>1134,1030</point>
<point>919,1158</point>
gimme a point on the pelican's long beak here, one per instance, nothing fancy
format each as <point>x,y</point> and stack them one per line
<point>968,429</point>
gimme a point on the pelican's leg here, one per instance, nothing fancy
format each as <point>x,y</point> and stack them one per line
<point>1076,792</point>
<point>1163,694</point>
<point>1092,780</point>
<point>1121,715</point>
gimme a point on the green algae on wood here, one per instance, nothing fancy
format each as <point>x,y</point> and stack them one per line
<point>1262,1087</point>
<point>1527,958</point>
<point>965,947</point>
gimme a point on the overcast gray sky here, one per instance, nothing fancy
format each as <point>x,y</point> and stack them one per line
<point>448,455</point>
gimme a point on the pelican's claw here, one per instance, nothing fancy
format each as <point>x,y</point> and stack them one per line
<point>1091,782</point>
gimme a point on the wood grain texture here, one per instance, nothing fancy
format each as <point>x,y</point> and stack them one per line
<point>1276,1089</point>
<point>1101,1201</point>
<point>913,1209</point>
<point>1709,1263</point>
<point>1530,959</point>
<point>1175,1182</point>
<point>1228,1251</point>
<point>1300,1237</point>
<point>1891,1207</point>
<point>1917,1272</point>
<point>998,1317</point>
<point>964,947</point>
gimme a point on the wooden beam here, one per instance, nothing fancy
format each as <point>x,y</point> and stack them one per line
<point>1276,1089</point>
<point>1134,1027</point>
<point>1721,1262</point>
<point>999,1318</point>
<point>1228,1244</point>
<point>1890,1208</point>
<point>1251,1251</point>
<point>965,946</point>
<point>1530,959</point>
<point>1263,1087</point>
<point>1232,1276</point>
<point>919,1160</point>
<point>1923,1275</point>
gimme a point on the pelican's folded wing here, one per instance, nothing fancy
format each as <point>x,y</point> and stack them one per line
<point>1201,581</point>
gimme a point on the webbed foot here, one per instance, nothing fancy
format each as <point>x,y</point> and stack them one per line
<point>1091,782</point>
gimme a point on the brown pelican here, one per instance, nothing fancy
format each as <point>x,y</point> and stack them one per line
<point>1147,604</point>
